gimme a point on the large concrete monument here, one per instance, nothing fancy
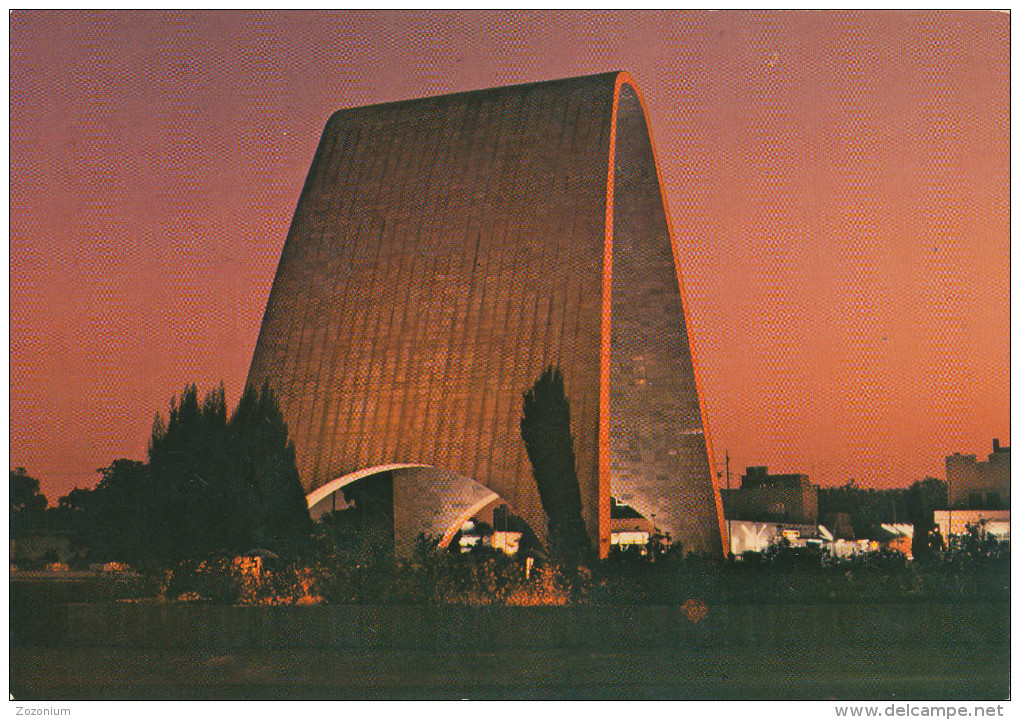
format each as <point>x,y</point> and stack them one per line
<point>443,253</point>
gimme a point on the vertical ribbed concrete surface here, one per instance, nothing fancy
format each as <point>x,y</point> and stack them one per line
<point>445,251</point>
<point>660,461</point>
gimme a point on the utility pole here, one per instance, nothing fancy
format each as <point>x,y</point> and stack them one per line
<point>729,533</point>
<point>949,507</point>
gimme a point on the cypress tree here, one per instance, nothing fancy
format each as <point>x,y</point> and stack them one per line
<point>545,429</point>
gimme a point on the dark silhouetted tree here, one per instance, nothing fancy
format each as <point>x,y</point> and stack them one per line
<point>109,519</point>
<point>545,429</point>
<point>210,486</point>
<point>268,504</point>
<point>922,499</point>
<point>27,503</point>
<point>869,508</point>
<point>934,492</point>
<point>123,495</point>
<point>189,483</point>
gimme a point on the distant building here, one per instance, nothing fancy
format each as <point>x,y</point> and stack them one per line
<point>840,524</point>
<point>979,485</point>
<point>995,522</point>
<point>784,498</point>
<point>751,536</point>
<point>628,528</point>
<point>475,533</point>
<point>898,537</point>
<point>508,542</point>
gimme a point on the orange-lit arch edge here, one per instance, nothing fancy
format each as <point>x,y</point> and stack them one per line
<point>454,526</point>
<point>624,78</point>
<point>324,491</point>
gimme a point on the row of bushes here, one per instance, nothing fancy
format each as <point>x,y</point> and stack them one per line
<point>442,578</point>
<point>975,571</point>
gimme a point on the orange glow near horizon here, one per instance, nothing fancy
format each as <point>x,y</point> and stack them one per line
<point>837,182</point>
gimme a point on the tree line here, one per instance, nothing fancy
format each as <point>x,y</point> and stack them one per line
<point>228,483</point>
<point>212,483</point>
<point>869,508</point>
<point>219,484</point>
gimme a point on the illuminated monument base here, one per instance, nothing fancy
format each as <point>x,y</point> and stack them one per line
<point>445,252</point>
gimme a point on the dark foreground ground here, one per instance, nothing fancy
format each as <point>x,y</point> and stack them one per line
<point>52,673</point>
<point>854,651</point>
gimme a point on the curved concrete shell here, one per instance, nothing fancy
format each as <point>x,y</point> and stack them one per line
<point>444,252</point>
<point>426,501</point>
